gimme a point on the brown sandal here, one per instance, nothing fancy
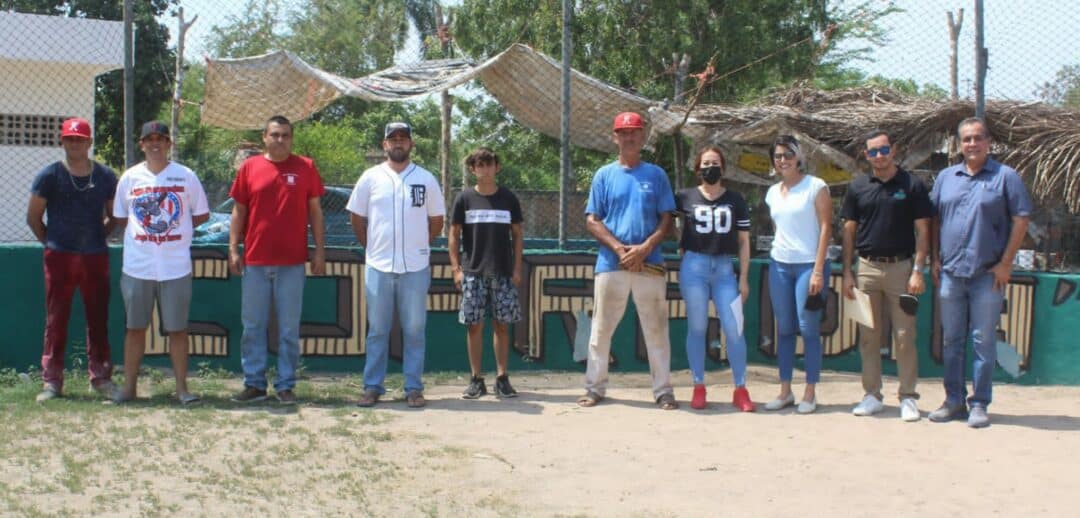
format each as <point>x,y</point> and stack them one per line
<point>589,399</point>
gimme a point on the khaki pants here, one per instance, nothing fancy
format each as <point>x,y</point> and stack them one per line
<point>884,283</point>
<point>611,290</point>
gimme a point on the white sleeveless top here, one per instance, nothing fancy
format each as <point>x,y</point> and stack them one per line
<point>797,225</point>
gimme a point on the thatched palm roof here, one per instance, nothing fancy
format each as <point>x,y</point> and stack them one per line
<point>1042,142</point>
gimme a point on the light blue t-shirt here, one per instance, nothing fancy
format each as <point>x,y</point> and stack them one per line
<point>629,202</point>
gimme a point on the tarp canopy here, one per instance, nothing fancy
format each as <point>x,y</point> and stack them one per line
<point>528,84</point>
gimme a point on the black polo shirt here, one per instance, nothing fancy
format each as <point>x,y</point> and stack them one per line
<point>886,213</point>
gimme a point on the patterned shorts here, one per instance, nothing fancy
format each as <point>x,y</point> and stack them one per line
<point>479,293</point>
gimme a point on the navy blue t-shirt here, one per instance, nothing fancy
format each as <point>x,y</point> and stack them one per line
<point>75,207</point>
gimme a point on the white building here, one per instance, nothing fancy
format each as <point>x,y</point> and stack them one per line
<point>47,70</point>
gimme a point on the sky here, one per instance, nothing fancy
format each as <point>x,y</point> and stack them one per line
<point>1028,41</point>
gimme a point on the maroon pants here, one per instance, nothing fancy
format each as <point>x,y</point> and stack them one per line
<point>64,272</point>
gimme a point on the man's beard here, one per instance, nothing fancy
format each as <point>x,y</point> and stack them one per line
<point>397,155</point>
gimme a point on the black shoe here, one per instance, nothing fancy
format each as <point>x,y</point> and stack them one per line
<point>947,412</point>
<point>475,389</point>
<point>250,395</point>
<point>503,387</point>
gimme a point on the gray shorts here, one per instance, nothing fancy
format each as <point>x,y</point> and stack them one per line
<point>482,293</point>
<point>173,299</point>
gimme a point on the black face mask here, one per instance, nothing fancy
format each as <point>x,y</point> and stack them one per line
<point>712,174</point>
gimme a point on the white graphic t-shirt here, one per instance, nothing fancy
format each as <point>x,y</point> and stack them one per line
<point>159,208</point>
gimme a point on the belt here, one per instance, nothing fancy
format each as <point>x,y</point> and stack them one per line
<point>886,258</point>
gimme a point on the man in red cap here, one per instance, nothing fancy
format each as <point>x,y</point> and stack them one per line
<point>75,195</point>
<point>629,213</point>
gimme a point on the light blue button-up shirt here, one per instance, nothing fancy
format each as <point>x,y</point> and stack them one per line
<point>976,214</point>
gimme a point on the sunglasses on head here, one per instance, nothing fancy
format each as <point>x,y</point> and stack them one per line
<point>788,155</point>
<point>883,150</point>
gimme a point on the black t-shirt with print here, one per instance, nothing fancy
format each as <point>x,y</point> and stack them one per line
<point>485,230</point>
<point>711,226</point>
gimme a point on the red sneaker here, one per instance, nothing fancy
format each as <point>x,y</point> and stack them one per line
<point>741,400</point>
<point>698,401</point>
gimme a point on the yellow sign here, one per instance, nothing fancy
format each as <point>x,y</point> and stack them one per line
<point>832,174</point>
<point>754,163</point>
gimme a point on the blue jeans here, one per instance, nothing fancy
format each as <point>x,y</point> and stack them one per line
<point>263,287</point>
<point>408,293</point>
<point>788,285</point>
<point>969,307</point>
<point>704,277</point>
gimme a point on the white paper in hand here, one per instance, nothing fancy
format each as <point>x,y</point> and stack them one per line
<point>859,309</point>
<point>736,309</point>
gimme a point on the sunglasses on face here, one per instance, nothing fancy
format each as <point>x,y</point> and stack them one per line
<point>787,155</point>
<point>883,151</point>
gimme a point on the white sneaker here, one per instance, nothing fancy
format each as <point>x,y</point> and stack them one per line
<point>868,406</point>
<point>909,410</point>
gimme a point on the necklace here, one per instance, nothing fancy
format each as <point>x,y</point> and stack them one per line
<point>89,184</point>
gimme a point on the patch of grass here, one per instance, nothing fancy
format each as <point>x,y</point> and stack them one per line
<point>206,372</point>
<point>74,474</point>
<point>499,505</point>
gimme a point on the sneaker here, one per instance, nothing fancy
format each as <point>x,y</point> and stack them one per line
<point>503,387</point>
<point>106,388</point>
<point>697,401</point>
<point>807,407</point>
<point>869,405</point>
<point>947,412</point>
<point>779,403</point>
<point>49,392</point>
<point>286,397</point>
<point>250,395</point>
<point>740,399</point>
<point>476,388</point>
<point>909,410</point>
<point>978,418</point>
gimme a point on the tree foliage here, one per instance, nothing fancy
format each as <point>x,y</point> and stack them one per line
<point>1064,90</point>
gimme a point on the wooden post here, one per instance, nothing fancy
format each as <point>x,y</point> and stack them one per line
<point>954,37</point>
<point>682,66</point>
<point>981,56</point>
<point>174,128</point>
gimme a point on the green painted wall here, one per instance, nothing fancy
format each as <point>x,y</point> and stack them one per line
<point>1042,321</point>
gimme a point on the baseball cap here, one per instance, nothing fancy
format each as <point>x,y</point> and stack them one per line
<point>628,120</point>
<point>397,126</point>
<point>154,128</point>
<point>75,127</point>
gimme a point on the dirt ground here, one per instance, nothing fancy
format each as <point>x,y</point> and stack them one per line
<point>542,455</point>
<point>625,457</point>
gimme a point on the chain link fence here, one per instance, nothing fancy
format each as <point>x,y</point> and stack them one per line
<point>468,73</point>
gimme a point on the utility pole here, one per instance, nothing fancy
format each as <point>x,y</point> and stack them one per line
<point>129,85</point>
<point>981,56</point>
<point>564,145</point>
